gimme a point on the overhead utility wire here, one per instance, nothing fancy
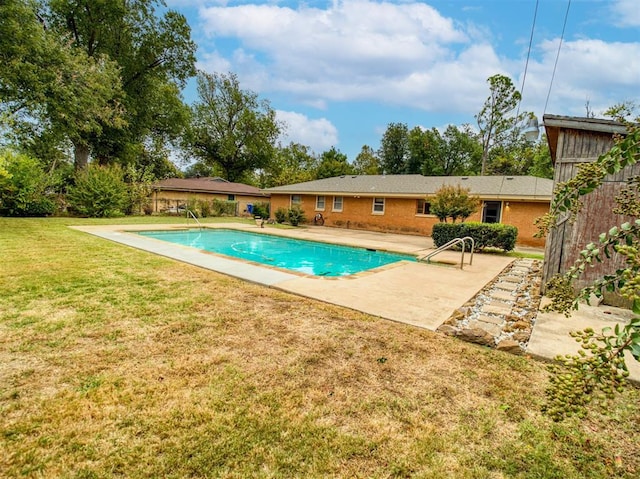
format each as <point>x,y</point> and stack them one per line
<point>526,65</point>
<point>566,15</point>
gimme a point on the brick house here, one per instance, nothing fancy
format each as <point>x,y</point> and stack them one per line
<point>173,193</point>
<point>400,203</point>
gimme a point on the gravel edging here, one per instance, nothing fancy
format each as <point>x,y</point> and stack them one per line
<point>503,313</point>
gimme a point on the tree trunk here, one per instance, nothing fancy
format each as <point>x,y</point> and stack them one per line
<point>80,156</point>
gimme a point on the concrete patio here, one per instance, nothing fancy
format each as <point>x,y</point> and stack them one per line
<point>418,294</point>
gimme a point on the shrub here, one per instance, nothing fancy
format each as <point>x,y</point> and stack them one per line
<point>99,192</point>
<point>223,208</point>
<point>205,208</point>
<point>281,215</point>
<point>24,187</point>
<point>261,209</point>
<point>485,235</point>
<point>453,202</point>
<point>193,205</point>
<point>296,216</point>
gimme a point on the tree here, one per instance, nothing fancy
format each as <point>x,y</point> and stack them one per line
<point>367,163</point>
<point>493,120</point>
<point>453,202</point>
<point>231,127</point>
<point>49,88</point>
<point>291,164</point>
<point>99,192</point>
<point>333,163</point>
<point>154,55</point>
<point>456,152</point>
<point>393,150</point>
<point>599,370</point>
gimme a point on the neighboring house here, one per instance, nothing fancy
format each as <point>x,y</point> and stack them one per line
<point>173,194</point>
<point>401,203</point>
<point>573,141</point>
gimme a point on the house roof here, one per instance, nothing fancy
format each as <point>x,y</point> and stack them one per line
<point>554,123</point>
<point>512,187</point>
<point>207,185</point>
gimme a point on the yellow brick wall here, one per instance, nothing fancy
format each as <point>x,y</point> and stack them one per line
<point>161,200</point>
<point>400,215</point>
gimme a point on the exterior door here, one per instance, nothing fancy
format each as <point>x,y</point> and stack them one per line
<point>491,211</point>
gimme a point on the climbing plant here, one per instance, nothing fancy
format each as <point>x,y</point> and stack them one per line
<point>599,370</point>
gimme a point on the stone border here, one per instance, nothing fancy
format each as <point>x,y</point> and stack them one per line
<point>503,313</point>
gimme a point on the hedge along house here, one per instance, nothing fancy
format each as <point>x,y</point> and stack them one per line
<point>401,203</point>
<point>574,140</point>
<point>174,193</point>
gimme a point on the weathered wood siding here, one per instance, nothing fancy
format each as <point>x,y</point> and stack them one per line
<point>567,240</point>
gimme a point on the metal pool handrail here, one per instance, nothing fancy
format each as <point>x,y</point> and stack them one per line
<point>190,213</point>
<point>451,244</point>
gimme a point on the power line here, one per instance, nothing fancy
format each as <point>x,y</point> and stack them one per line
<point>566,15</point>
<point>526,65</point>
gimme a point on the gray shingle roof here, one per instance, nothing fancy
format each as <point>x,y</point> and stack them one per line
<point>525,187</point>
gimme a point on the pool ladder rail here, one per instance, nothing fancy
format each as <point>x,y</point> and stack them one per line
<point>451,244</point>
<point>192,215</point>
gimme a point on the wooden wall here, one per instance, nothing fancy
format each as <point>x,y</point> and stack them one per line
<point>567,240</point>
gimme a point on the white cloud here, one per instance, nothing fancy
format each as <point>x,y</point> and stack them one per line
<point>355,49</point>
<point>626,12</point>
<point>406,54</point>
<point>319,134</point>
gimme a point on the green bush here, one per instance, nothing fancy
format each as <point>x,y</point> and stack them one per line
<point>261,209</point>
<point>453,202</point>
<point>296,216</point>
<point>281,215</point>
<point>205,208</point>
<point>99,192</point>
<point>485,235</point>
<point>24,187</point>
<point>223,208</point>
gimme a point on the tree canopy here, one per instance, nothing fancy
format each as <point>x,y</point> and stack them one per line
<point>231,127</point>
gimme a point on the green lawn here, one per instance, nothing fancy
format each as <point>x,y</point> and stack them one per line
<point>118,363</point>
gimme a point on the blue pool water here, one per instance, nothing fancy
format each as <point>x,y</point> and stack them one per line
<point>309,257</point>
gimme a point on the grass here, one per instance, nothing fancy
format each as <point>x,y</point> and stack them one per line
<point>118,363</point>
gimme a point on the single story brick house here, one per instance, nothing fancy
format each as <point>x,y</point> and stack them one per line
<point>400,203</point>
<point>173,193</point>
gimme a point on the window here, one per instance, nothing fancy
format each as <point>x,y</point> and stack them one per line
<point>320,203</point>
<point>296,199</point>
<point>231,197</point>
<point>378,205</point>
<point>337,203</point>
<point>491,211</point>
<point>423,207</point>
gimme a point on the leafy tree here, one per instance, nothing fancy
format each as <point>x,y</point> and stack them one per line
<point>599,370</point>
<point>231,128</point>
<point>24,186</point>
<point>367,162</point>
<point>291,164</point>
<point>453,202</point>
<point>541,164</point>
<point>49,88</point>
<point>154,55</point>
<point>99,191</point>
<point>456,152</point>
<point>333,163</point>
<point>394,149</point>
<point>493,120</point>
<point>419,150</point>
<point>624,111</point>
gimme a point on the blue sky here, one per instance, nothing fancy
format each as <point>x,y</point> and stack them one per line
<point>337,73</point>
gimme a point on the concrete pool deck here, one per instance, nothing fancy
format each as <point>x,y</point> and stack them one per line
<point>419,294</point>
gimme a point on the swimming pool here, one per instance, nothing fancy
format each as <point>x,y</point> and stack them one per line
<point>303,256</point>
